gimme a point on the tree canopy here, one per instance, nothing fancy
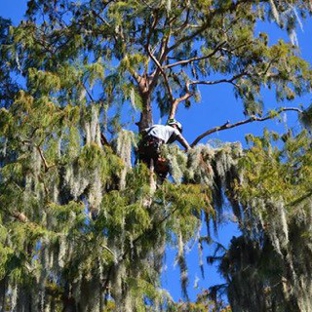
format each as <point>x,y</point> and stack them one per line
<point>83,226</point>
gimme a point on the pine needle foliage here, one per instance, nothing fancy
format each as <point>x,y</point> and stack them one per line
<point>81,227</point>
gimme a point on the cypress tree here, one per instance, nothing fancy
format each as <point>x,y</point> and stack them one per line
<point>83,226</point>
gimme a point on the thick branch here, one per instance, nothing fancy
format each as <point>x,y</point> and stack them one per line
<point>152,29</point>
<point>228,125</point>
<point>176,102</point>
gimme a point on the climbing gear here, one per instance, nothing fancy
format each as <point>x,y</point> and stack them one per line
<point>173,122</point>
<point>149,143</point>
<point>150,149</point>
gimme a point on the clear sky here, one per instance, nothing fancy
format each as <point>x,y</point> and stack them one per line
<point>217,106</point>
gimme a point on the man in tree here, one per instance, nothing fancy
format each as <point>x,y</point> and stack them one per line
<point>85,67</point>
<point>153,138</point>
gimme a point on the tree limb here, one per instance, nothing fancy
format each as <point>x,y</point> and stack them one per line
<point>163,52</point>
<point>214,82</point>
<point>228,125</point>
<point>162,72</point>
<point>46,166</point>
<point>194,59</point>
<point>158,70</point>
<point>176,102</point>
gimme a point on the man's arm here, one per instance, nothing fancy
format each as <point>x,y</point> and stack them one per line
<point>183,142</point>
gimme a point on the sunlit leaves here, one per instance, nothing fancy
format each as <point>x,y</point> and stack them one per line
<point>44,82</point>
<point>83,66</point>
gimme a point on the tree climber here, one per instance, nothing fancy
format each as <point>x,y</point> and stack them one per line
<point>153,138</point>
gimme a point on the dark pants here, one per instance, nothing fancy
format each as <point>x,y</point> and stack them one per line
<point>149,149</point>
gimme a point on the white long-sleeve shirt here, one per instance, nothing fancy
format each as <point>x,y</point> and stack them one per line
<point>167,134</point>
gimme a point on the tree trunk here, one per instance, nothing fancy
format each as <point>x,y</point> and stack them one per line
<point>146,114</point>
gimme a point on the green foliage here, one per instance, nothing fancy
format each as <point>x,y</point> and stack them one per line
<point>44,81</point>
<point>274,192</point>
<point>279,172</point>
<point>81,223</point>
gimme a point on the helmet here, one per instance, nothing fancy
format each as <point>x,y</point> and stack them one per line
<point>173,122</point>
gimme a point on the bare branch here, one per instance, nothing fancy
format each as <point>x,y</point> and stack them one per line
<point>103,20</point>
<point>194,59</point>
<point>162,55</point>
<point>297,201</point>
<point>150,53</point>
<point>148,41</point>
<point>162,72</point>
<point>230,80</point>
<point>46,166</point>
<point>268,67</point>
<point>88,92</point>
<point>110,251</point>
<point>228,125</point>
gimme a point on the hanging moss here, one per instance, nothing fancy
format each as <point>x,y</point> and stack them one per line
<point>272,223</point>
<point>124,146</point>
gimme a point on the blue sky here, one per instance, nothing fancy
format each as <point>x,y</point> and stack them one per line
<point>218,105</point>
